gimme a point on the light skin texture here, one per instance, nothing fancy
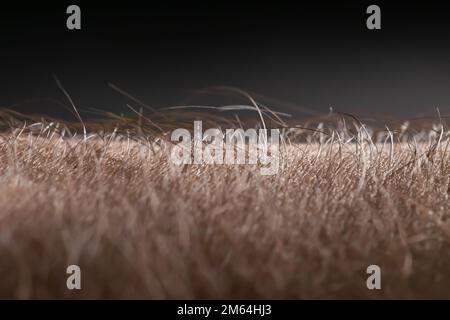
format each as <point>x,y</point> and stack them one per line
<point>141,227</point>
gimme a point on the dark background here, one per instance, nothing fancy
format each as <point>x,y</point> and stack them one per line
<point>299,55</point>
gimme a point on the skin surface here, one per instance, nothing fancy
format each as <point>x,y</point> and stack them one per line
<point>140,227</point>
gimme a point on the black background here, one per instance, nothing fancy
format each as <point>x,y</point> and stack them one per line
<point>300,55</point>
